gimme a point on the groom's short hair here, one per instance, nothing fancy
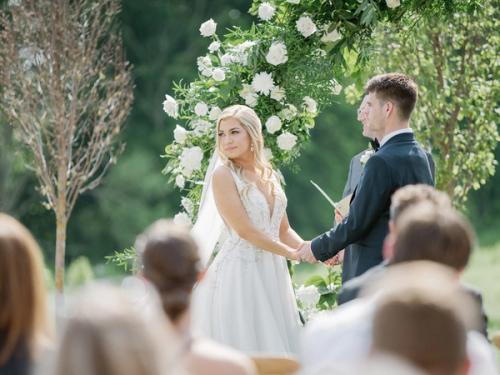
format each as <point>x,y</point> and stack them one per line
<point>397,88</point>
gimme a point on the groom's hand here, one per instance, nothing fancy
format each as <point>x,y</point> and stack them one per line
<point>306,254</point>
<point>336,260</point>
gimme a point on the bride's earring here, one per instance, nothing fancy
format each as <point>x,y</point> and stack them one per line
<point>251,148</point>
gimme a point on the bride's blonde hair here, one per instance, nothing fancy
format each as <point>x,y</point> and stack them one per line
<point>252,124</point>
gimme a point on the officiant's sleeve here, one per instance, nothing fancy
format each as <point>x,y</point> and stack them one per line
<point>372,198</point>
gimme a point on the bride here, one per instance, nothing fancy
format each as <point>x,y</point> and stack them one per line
<point>245,299</point>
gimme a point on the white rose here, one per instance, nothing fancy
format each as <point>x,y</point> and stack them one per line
<point>214,46</point>
<point>266,11</point>
<point>170,106</point>
<point>332,36</point>
<point>204,65</point>
<point>310,104</point>
<point>182,218</point>
<point>208,28</point>
<point>308,295</point>
<point>286,141</point>
<point>366,155</point>
<point>188,205</point>
<point>226,59</point>
<point>289,112</point>
<point>263,83</point>
<point>306,26</point>
<point>180,134</point>
<point>293,1</point>
<point>393,3</point>
<point>268,154</point>
<point>218,74</point>
<point>214,113</point>
<point>273,124</point>
<point>278,93</point>
<point>248,93</point>
<point>201,109</point>
<point>277,54</point>
<point>180,181</point>
<point>191,160</point>
<point>252,100</point>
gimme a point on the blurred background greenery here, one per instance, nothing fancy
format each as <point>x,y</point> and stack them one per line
<point>162,41</point>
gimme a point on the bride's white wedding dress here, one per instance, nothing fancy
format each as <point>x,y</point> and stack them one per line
<point>246,299</point>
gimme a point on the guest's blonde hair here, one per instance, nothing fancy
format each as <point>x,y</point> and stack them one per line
<point>23,314</point>
<point>107,334</point>
<point>247,117</point>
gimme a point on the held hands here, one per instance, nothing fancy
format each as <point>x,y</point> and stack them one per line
<point>337,259</point>
<point>306,254</point>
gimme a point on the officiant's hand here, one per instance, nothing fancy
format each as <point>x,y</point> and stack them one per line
<point>337,259</point>
<point>306,254</point>
<point>338,217</point>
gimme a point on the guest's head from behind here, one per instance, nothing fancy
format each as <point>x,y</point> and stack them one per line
<point>422,318</point>
<point>391,99</point>
<point>426,232</point>
<point>105,334</point>
<point>24,328</point>
<point>405,198</point>
<point>171,263</point>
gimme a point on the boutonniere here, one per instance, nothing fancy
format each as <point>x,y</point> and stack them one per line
<point>365,156</point>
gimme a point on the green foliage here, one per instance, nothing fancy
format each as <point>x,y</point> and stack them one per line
<point>79,272</point>
<point>126,259</point>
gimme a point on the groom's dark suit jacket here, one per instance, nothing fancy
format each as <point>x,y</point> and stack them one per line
<point>399,162</point>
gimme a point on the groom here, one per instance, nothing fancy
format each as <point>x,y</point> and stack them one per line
<point>390,100</point>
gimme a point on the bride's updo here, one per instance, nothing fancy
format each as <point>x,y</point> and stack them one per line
<point>252,124</point>
<point>171,263</point>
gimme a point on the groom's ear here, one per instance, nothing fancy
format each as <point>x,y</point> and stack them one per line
<point>389,108</point>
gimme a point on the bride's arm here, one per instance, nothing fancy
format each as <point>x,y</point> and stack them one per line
<point>231,209</point>
<point>287,235</point>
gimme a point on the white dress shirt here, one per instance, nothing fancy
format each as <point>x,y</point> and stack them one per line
<point>393,134</point>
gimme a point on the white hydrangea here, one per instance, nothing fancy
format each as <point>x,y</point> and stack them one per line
<point>273,124</point>
<point>182,218</point>
<point>214,46</point>
<point>332,36</point>
<point>180,134</point>
<point>336,87</point>
<point>180,181</point>
<point>310,104</point>
<point>190,160</point>
<point>393,3</point>
<point>266,11</point>
<point>208,28</point>
<point>289,112</point>
<point>277,54</point>
<point>278,93</point>
<point>204,65</point>
<point>286,141</point>
<point>263,83</point>
<point>306,26</point>
<point>214,113</point>
<point>201,109</point>
<point>201,127</point>
<point>188,205</point>
<point>308,295</point>
<point>268,154</point>
<point>170,106</point>
<point>218,74</point>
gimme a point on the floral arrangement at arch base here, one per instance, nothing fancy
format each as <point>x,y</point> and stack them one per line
<point>286,66</point>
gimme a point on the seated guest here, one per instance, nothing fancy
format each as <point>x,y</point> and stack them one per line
<point>422,319</point>
<point>345,334</point>
<point>106,335</point>
<point>24,329</point>
<point>170,262</point>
